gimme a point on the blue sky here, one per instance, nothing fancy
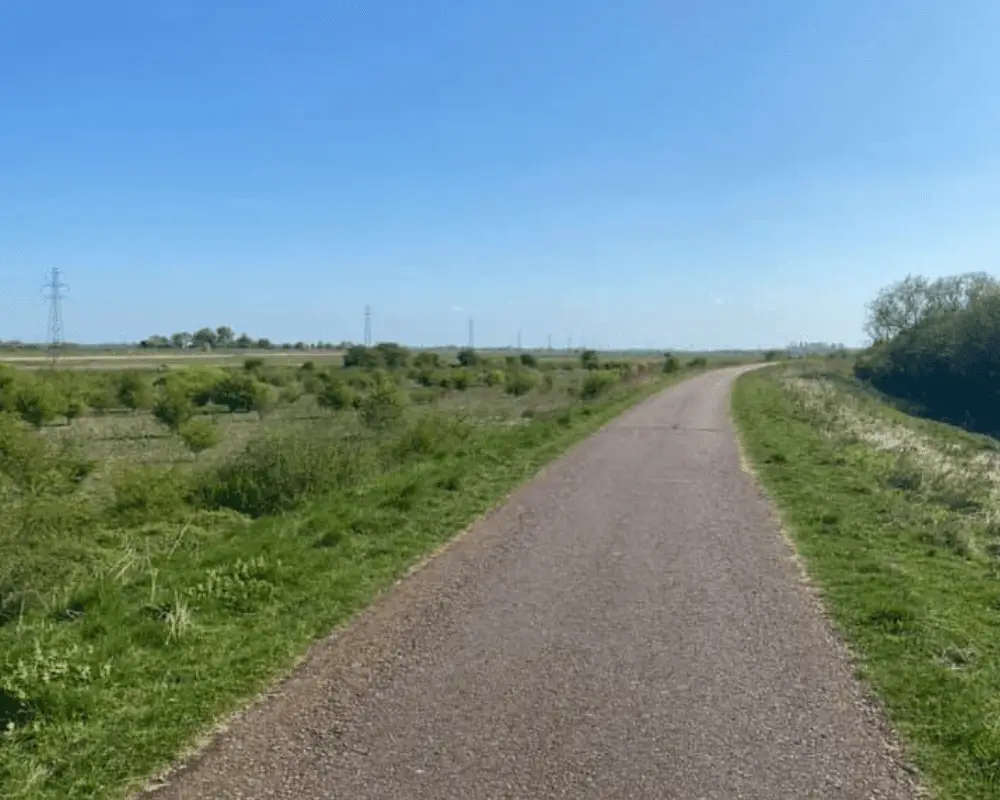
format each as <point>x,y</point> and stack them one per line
<point>687,175</point>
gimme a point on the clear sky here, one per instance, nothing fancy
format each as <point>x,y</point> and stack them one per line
<point>671,174</point>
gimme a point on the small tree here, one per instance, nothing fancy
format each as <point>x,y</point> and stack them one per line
<point>173,407</point>
<point>134,391</point>
<point>362,357</point>
<point>392,355</point>
<point>199,434</point>
<point>589,359</point>
<point>336,395</point>
<point>529,360</point>
<point>468,357</point>
<point>671,364</point>
<point>520,382</point>
<point>37,402</point>
<point>384,406</point>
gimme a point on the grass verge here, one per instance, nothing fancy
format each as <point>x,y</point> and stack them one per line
<point>192,618</point>
<point>903,547</point>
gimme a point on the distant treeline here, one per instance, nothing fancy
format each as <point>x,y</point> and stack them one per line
<point>223,338</point>
<point>936,345</point>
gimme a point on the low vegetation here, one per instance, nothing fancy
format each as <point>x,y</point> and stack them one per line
<point>180,537</point>
<point>895,515</point>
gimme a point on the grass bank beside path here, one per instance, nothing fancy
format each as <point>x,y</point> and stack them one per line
<point>189,625</point>
<point>896,520</point>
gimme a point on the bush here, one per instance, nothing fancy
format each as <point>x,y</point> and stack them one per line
<point>520,381</point>
<point>173,407</point>
<point>30,465</point>
<point>468,357</point>
<point>362,357</point>
<point>391,355</point>
<point>384,406</point>
<point>279,471</point>
<point>427,360</point>
<point>461,380</point>
<point>253,364</point>
<point>494,377</point>
<point>589,359</point>
<point>199,434</point>
<point>597,382</point>
<point>36,401</point>
<point>698,363</point>
<point>671,364</point>
<point>240,392</point>
<point>134,391</point>
<point>336,395</point>
<point>149,493</point>
<point>529,360</point>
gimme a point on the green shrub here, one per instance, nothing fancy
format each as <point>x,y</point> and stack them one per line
<point>529,360</point>
<point>589,359</point>
<point>698,363</point>
<point>240,392</point>
<point>362,357</point>
<point>173,406</point>
<point>671,364</point>
<point>149,493</point>
<point>427,360</point>
<point>134,391</point>
<point>37,401</point>
<point>520,382</point>
<point>597,382</point>
<point>253,364</point>
<point>461,379</point>
<point>468,357</point>
<point>384,406</point>
<point>199,434</point>
<point>494,377</point>
<point>278,471</point>
<point>30,465</point>
<point>337,395</point>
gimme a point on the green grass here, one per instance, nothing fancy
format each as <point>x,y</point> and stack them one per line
<point>150,622</point>
<point>905,557</point>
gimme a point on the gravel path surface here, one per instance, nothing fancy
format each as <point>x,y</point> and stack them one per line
<point>628,625</point>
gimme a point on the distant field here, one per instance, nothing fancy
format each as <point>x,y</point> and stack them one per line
<point>139,359</point>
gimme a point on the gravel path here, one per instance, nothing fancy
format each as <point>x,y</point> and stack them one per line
<point>628,625</point>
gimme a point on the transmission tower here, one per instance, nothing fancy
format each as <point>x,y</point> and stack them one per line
<point>53,291</point>
<point>368,326</point>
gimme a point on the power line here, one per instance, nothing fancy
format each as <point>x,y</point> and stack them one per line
<point>53,292</point>
<point>368,326</point>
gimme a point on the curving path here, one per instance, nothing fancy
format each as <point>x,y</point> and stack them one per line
<point>628,625</point>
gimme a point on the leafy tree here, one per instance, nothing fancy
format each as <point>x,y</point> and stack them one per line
<point>392,355</point>
<point>520,381</point>
<point>199,434</point>
<point>263,344</point>
<point>224,336</point>
<point>360,356</point>
<point>173,407</point>
<point>205,337</point>
<point>529,360</point>
<point>134,391</point>
<point>904,304</point>
<point>244,342</point>
<point>238,391</point>
<point>37,401</point>
<point>589,359</point>
<point>427,360</point>
<point>336,394</point>
<point>385,405</point>
<point>181,340</point>
<point>468,357</point>
<point>671,364</point>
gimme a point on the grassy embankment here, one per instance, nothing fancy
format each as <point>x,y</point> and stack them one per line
<point>896,520</point>
<point>145,590</point>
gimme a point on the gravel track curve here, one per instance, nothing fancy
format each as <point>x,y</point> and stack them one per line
<point>629,624</point>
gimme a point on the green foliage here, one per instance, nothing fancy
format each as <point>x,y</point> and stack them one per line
<point>946,366</point>
<point>37,401</point>
<point>671,364</point>
<point>494,377</point>
<point>520,381</point>
<point>240,392</point>
<point>461,379</point>
<point>468,357</point>
<point>384,405</point>
<point>253,364</point>
<point>392,356</point>
<point>590,360</point>
<point>427,360</point>
<point>362,357</point>
<point>149,493</point>
<point>199,434</point>
<point>598,382</point>
<point>529,360</point>
<point>279,471</point>
<point>337,395</point>
<point>698,362</point>
<point>134,391</point>
<point>173,406</point>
